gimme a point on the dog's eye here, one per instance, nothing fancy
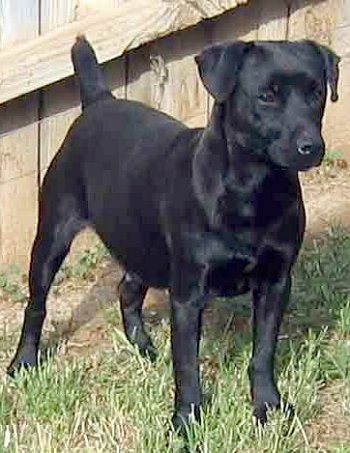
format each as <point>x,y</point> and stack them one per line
<point>270,95</point>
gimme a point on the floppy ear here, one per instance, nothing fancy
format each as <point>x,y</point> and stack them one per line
<point>332,70</point>
<point>331,65</point>
<point>218,67</point>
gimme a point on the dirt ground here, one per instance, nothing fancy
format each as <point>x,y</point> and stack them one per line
<point>77,312</point>
<point>327,198</point>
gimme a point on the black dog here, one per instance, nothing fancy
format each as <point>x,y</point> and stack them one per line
<point>204,212</point>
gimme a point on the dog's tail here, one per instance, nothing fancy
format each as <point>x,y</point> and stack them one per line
<point>86,67</point>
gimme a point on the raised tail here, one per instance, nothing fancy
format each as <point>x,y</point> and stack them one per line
<point>86,67</point>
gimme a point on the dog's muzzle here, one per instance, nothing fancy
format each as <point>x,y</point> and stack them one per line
<point>310,152</point>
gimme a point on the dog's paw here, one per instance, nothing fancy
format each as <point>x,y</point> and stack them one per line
<point>149,352</point>
<point>144,344</point>
<point>21,362</point>
<point>260,412</point>
<point>182,421</point>
<point>16,366</point>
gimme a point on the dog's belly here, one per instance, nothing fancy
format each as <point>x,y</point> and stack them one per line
<point>227,280</point>
<point>146,256</point>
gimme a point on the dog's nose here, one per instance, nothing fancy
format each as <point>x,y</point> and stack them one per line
<point>308,146</point>
<point>305,148</point>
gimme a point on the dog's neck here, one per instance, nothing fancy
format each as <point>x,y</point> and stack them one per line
<point>221,165</point>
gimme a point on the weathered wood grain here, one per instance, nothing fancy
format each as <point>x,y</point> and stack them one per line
<point>45,60</point>
<point>18,146</point>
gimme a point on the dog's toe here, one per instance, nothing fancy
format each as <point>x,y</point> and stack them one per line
<point>183,420</point>
<point>144,344</point>
<point>18,365</point>
<point>260,415</point>
<point>260,412</point>
<point>23,360</point>
<point>149,352</point>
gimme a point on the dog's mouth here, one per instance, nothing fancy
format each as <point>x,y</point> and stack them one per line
<point>294,161</point>
<point>305,163</point>
<point>305,166</point>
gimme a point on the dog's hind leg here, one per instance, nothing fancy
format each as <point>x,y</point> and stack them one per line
<point>56,231</point>
<point>132,293</point>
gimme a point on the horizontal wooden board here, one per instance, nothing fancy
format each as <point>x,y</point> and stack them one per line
<point>46,59</point>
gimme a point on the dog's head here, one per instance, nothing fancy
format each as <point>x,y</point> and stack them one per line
<point>273,96</point>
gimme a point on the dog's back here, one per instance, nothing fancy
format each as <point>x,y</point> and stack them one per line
<point>119,157</point>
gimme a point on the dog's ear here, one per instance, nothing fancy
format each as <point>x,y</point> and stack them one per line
<point>331,65</point>
<point>331,61</point>
<point>218,67</point>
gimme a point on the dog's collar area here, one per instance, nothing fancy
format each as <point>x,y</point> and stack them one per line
<point>239,154</point>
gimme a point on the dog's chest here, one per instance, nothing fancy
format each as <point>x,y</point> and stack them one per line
<point>226,260</point>
<point>236,210</point>
<point>218,249</point>
<point>256,204</point>
<point>247,222</point>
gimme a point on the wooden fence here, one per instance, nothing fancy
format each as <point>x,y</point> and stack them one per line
<point>40,99</point>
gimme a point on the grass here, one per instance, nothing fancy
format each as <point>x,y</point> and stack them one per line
<point>12,284</point>
<point>332,156</point>
<point>114,401</point>
<point>82,267</point>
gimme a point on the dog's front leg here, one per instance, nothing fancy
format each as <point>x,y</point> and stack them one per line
<point>187,302</point>
<point>269,302</point>
<point>185,336</point>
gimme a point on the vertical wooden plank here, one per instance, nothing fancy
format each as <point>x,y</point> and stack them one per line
<point>336,124</point>
<point>240,23</point>
<point>18,21</point>
<point>164,75</point>
<point>115,77</point>
<point>273,20</point>
<point>18,146</point>
<point>337,31</point>
<point>177,88</point>
<point>312,20</point>
<point>54,13</point>
<point>139,76</point>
